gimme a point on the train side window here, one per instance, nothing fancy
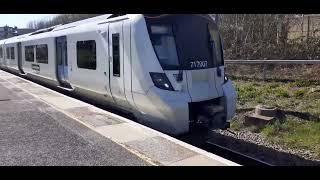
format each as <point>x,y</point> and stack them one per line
<point>29,53</point>
<point>42,53</point>
<point>1,53</point>
<point>8,52</point>
<point>12,53</point>
<point>116,54</point>
<point>86,54</point>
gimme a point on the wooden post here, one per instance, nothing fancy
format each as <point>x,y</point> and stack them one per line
<point>264,71</point>
<point>308,27</point>
<point>278,24</point>
<point>302,28</point>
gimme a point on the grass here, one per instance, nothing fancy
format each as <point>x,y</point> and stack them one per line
<point>294,95</point>
<point>295,134</point>
<point>293,131</point>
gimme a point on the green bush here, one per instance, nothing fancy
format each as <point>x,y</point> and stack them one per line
<point>280,92</point>
<point>299,93</point>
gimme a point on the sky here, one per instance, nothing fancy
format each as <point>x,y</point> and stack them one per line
<point>21,20</point>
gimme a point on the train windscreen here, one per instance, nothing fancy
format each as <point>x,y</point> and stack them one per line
<point>185,42</point>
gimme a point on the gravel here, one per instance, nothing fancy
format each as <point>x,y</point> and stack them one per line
<point>255,145</point>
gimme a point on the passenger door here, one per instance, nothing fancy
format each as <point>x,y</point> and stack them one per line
<point>62,61</point>
<point>3,56</point>
<point>116,72</point>
<point>20,58</point>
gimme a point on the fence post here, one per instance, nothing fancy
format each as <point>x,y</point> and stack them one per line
<point>264,71</point>
<point>308,27</point>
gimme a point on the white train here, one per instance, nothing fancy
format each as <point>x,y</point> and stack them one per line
<point>167,70</point>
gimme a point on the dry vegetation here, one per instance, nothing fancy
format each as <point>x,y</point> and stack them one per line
<point>298,123</point>
<point>285,72</point>
<point>265,36</point>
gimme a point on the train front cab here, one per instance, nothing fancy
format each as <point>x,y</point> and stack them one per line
<point>191,86</point>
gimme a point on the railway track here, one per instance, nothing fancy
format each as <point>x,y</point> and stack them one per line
<point>232,155</point>
<point>202,139</point>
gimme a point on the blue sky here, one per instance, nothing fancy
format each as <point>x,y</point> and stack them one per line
<point>21,20</point>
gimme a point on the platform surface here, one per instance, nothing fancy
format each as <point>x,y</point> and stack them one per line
<point>39,126</point>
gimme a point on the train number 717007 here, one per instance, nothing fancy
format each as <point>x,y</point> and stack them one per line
<point>198,64</point>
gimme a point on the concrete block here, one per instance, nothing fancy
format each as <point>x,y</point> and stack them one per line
<point>62,102</point>
<point>198,160</point>
<point>161,150</point>
<point>124,132</point>
<point>258,120</point>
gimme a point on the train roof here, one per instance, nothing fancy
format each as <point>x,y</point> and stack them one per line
<point>89,24</point>
<point>65,29</point>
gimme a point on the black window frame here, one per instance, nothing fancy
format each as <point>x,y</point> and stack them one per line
<point>8,53</point>
<point>25,53</point>
<point>213,53</point>
<point>170,33</point>
<point>87,64</point>
<point>116,55</point>
<point>1,52</point>
<point>184,45</point>
<point>12,55</point>
<point>40,59</point>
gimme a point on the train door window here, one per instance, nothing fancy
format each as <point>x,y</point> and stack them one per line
<point>86,54</point>
<point>8,52</point>
<point>29,53</point>
<point>1,53</point>
<point>116,54</point>
<point>42,53</point>
<point>12,53</point>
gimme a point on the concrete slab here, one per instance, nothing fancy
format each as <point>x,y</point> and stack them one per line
<point>32,133</point>
<point>36,90</point>
<point>95,119</point>
<point>198,160</point>
<point>16,80</point>
<point>5,94</point>
<point>161,149</point>
<point>61,102</point>
<point>124,132</point>
<point>14,106</point>
<point>6,76</point>
<point>33,138</point>
<point>13,93</point>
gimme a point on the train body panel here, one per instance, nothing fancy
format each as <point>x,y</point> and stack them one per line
<point>92,77</point>
<point>44,59</point>
<point>127,65</point>
<point>230,95</point>
<point>2,54</point>
<point>144,59</point>
<point>165,75</point>
<point>11,57</point>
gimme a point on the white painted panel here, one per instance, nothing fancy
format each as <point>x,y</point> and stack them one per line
<point>89,79</point>
<point>117,82</point>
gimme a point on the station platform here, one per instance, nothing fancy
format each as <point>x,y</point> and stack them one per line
<point>39,126</point>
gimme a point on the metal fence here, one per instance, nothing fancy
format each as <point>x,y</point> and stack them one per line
<point>275,69</point>
<point>272,61</point>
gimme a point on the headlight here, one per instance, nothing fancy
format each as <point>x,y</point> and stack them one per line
<point>161,81</point>
<point>225,78</point>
